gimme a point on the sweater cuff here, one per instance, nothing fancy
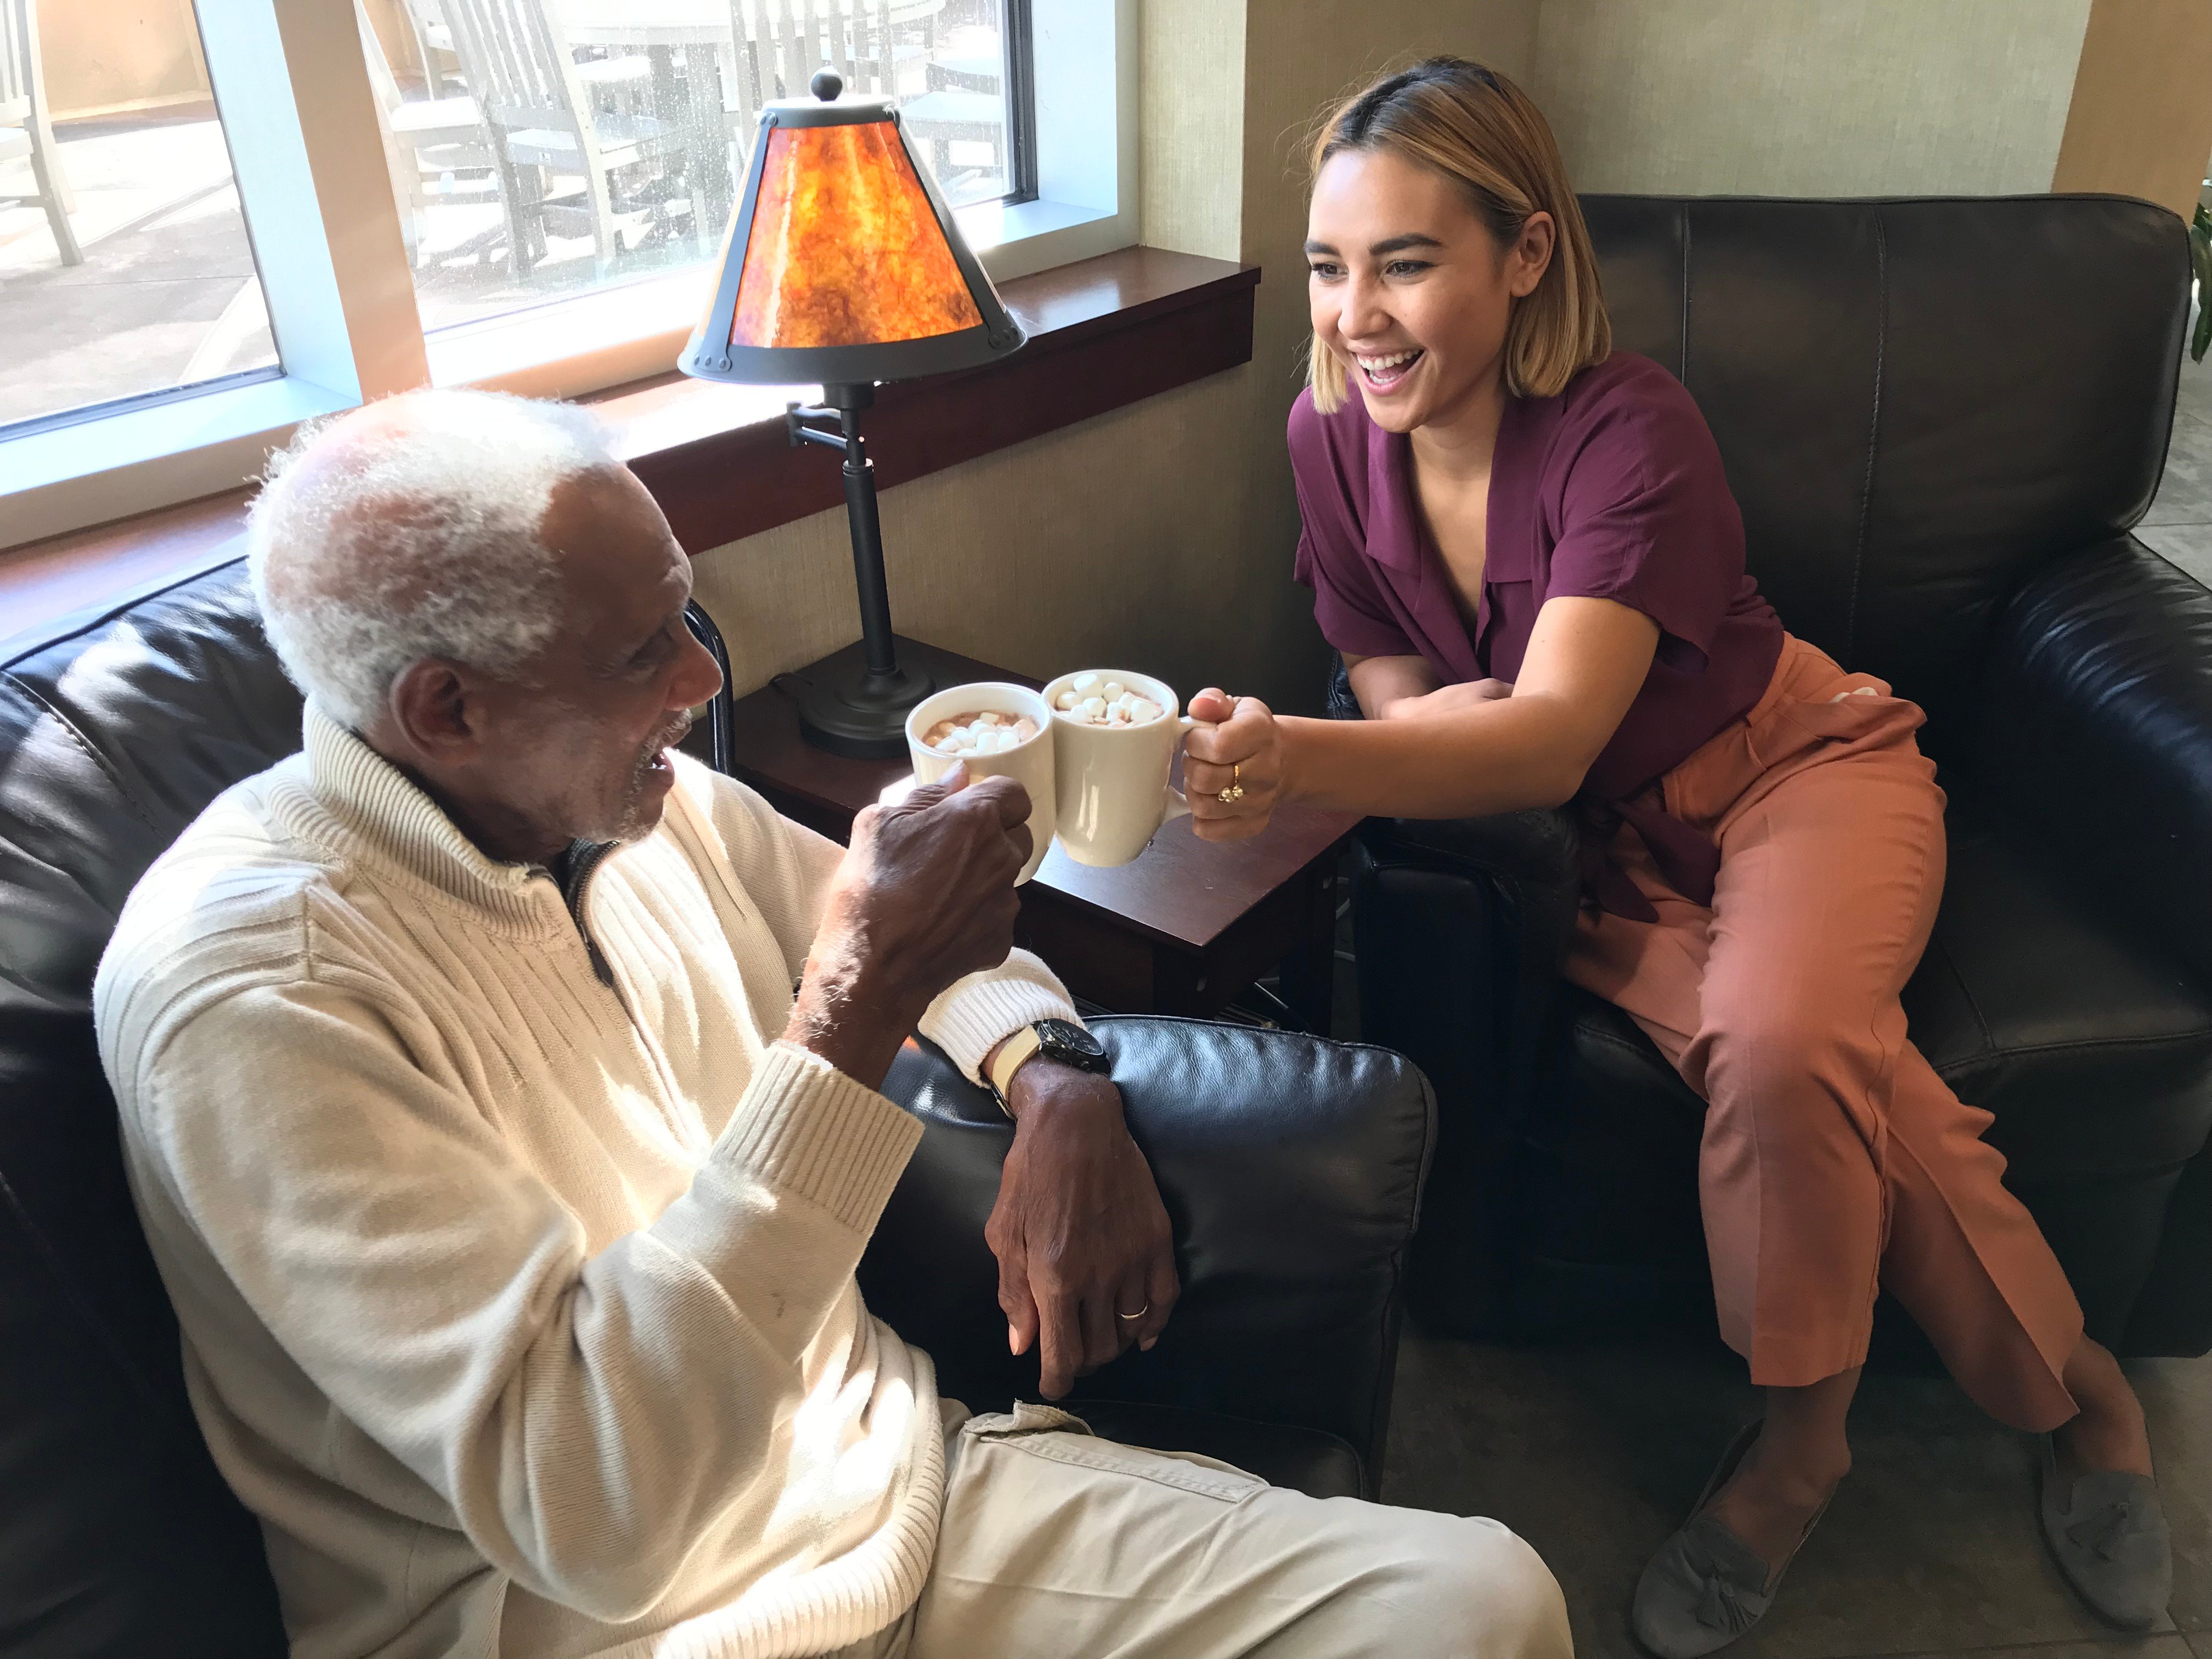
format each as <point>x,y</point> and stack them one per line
<point>806,1127</point>
<point>972,1015</point>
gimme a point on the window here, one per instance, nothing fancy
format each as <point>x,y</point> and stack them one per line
<point>610,146</point>
<point>126,272</point>
<point>526,194</point>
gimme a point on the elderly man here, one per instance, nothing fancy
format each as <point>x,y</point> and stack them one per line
<point>500,1095</point>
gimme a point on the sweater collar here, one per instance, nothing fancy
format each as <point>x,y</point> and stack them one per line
<point>388,816</point>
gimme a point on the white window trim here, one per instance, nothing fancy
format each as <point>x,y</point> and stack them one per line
<point>327,239</point>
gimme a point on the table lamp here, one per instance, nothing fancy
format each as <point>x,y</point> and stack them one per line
<point>843,266</point>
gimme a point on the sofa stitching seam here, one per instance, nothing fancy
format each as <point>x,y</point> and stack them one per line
<point>1874,430</point>
<point>84,744</point>
<point>1973,1003</point>
<point>2086,1045</point>
<point>2092,1045</point>
<point>1684,359</point>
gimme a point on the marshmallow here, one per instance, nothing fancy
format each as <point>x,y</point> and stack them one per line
<point>1092,699</point>
<point>987,732</point>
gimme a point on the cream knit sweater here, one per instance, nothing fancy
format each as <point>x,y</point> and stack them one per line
<point>520,1306</point>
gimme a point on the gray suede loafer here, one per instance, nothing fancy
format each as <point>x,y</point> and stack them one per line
<point>1706,1587</point>
<point>2110,1537</point>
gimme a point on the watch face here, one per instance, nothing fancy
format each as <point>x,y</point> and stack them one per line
<point>1071,1044</point>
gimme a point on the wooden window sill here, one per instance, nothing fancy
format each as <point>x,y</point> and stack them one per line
<point>1103,333</point>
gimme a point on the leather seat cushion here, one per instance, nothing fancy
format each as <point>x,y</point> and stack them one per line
<point>1304,1460</point>
<point>2034,1004</point>
<point>2028,1002</point>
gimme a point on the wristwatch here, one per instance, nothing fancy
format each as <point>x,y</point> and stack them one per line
<point>1056,1039</point>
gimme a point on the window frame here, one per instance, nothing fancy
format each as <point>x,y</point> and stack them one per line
<point>292,87</point>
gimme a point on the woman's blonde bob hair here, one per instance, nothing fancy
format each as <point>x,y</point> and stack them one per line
<point>1478,129</point>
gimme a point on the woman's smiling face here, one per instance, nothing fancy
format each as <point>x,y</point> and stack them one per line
<point>1407,287</point>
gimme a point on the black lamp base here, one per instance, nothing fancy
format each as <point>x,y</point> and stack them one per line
<point>848,711</point>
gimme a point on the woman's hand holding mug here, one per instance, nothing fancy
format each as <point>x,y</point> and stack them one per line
<point>1236,750</point>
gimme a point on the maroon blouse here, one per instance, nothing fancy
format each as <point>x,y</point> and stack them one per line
<point>1613,491</point>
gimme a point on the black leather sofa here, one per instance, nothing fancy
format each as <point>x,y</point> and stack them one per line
<point>1940,418</point>
<point>1292,1167</point>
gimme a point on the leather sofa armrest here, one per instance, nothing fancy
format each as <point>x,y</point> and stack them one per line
<point>2097,732</point>
<point>1337,697</point>
<point>1291,1168</point>
<point>1537,851</point>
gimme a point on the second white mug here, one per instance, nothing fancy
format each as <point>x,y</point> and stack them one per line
<point>1111,781</point>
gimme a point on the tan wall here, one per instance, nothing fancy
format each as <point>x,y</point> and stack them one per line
<point>2141,120</point>
<point>1811,97</point>
<point>107,55</point>
<point>1193,93</point>
<point>1160,536</point>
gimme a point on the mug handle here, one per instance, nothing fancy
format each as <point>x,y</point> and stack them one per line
<point>1175,806</point>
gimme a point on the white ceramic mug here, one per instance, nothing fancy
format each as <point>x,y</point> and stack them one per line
<point>1031,763</point>
<point>1113,791</point>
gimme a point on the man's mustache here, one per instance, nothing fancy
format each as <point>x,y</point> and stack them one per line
<point>668,737</point>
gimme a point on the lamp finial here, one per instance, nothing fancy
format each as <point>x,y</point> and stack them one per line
<point>827,85</point>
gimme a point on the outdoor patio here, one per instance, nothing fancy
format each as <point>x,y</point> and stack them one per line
<point>167,294</point>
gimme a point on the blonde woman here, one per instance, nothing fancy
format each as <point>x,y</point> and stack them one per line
<point>1524,545</point>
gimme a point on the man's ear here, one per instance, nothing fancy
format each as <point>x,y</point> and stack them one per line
<point>434,709</point>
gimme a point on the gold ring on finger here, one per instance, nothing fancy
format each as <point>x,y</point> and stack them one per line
<point>1139,1314</point>
<point>1234,792</point>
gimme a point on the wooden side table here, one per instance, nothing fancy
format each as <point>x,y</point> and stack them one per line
<point>1183,929</point>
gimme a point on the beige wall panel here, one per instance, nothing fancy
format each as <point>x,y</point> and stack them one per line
<point>106,55</point>
<point>2140,121</point>
<point>1810,97</point>
<point>1192,103</point>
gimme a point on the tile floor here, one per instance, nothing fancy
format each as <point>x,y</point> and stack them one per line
<point>1596,1454</point>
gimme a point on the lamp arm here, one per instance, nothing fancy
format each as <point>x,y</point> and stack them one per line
<point>796,431</point>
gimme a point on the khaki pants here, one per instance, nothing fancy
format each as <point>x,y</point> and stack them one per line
<point>1056,1544</point>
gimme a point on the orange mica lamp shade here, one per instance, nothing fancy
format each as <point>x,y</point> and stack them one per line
<point>843,265</point>
<point>845,249</point>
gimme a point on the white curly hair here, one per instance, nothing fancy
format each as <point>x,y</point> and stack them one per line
<point>420,539</point>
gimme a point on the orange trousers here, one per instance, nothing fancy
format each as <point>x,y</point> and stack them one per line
<point>1834,1160</point>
